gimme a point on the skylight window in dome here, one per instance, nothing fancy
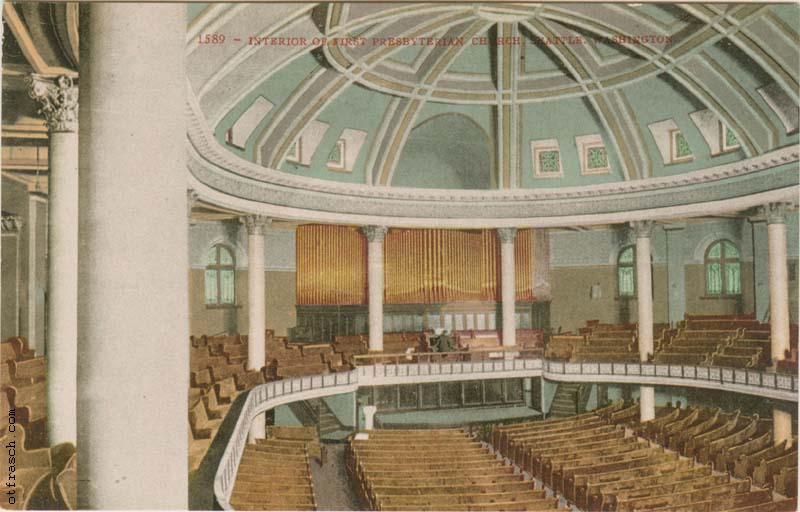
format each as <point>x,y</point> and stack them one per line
<point>719,138</point>
<point>679,148</point>
<point>344,153</point>
<point>303,148</point>
<point>546,159</point>
<point>336,156</point>
<point>728,140</point>
<point>593,155</point>
<point>295,151</point>
<point>671,141</point>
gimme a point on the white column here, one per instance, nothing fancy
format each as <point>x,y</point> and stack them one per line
<point>37,272</point>
<point>647,403</point>
<point>257,309</point>
<point>508,285</point>
<point>781,426</point>
<point>133,297</point>
<point>369,417</point>
<point>644,299</point>
<point>644,287</point>
<point>778,282</point>
<point>256,297</point>
<point>59,100</point>
<point>375,236</point>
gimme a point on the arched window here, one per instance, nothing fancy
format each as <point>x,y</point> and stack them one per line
<point>626,272</point>
<point>220,280</point>
<point>723,269</point>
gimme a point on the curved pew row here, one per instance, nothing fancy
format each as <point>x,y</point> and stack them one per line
<point>436,469</point>
<point>597,460</point>
<point>274,473</point>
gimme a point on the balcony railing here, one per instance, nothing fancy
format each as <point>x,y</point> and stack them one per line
<point>389,369</point>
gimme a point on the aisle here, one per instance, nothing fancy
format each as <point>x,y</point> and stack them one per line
<point>332,488</point>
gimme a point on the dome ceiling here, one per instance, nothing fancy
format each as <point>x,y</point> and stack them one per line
<point>536,95</point>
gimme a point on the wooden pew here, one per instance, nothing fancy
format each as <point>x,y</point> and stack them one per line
<point>725,460</point>
<point>767,468</point>
<point>745,464</point>
<point>602,495</point>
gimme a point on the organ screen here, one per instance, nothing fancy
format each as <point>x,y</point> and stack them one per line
<point>421,266</point>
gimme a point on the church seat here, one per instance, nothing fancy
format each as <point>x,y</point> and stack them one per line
<point>203,427</point>
<point>28,370</point>
<point>789,505</point>
<point>764,472</point>
<point>603,495</point>
<point>726,459</point>
<point>746,464</point>
<point>785,481</point>
<point>29,400</point>
<point>67,484</point>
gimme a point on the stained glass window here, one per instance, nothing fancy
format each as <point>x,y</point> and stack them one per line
<point>723,269</point>
<point>548,162</point>
<point>596,158</point>
<point>220,277</point>
<point>626,280</point>
<point>336,156</point>
<point>680,146</point>
<point>730,139</point>
<point>295,150</point>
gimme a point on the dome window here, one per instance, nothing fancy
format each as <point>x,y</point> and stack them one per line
<point>546,159</point>
<point>679,147</point>
<point>719,138</point>
<point>593,154</point>
<point>672,143</point>
<point>343,154</point>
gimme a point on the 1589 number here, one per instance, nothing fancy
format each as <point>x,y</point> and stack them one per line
<point>210,38</point>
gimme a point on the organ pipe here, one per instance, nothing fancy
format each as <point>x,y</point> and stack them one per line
<point>420,265</point>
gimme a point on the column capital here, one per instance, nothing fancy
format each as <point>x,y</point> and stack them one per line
<point>256,224</point>
<point>374,233</point>
<point>58,98</point>
<point>507,235</point>
<point>642,228</point>
<point>775,213</point>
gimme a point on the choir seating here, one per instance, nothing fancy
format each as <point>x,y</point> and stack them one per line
<point>562,346</point>
<point>274,474</point>
<point>437,469</point>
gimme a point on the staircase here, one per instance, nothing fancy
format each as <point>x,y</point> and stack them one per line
<point>328,422</point>
<point>564,401</point>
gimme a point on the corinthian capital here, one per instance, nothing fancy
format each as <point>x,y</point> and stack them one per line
<point>775,212</point>
<point>256,224</point>
<point>58,99</point>
<point>374,233</point>
<point>507,235</point>
<point>642,228</point>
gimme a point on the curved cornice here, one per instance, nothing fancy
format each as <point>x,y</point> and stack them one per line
<point>226,179</point>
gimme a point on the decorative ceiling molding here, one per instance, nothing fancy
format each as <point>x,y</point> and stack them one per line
<point>760,40</point>
<point>223,178</point>
<point>29,46</point>
<point>433,67</point>
<point>610,108</point>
